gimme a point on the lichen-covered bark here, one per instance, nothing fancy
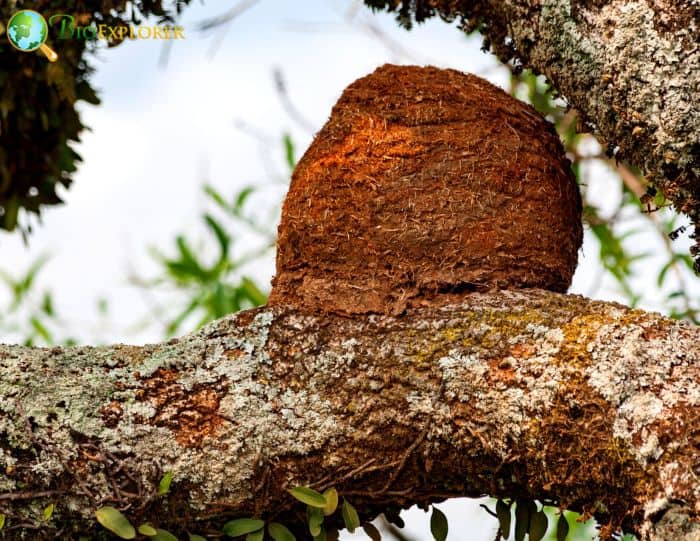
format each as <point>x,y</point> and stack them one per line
<point>630,67</point>
<point>526,394</point>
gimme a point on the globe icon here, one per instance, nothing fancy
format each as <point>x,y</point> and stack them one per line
<point>27,30</point>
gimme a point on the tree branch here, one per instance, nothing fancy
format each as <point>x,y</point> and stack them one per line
<point>525,394</point>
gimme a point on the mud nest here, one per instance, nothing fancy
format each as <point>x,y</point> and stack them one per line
<point>424,185</point>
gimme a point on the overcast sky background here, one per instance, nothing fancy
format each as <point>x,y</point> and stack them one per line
<point>162,131</point>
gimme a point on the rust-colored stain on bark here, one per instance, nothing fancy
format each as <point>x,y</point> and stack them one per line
<point>192,414</point>
<point>424,185</point>
<point>112,414</point>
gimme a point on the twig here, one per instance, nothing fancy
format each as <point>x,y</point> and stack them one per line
<point>224,21</point>
<point>404,459</point>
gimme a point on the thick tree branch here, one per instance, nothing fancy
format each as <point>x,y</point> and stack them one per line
<point>522,394</point>
<point>631,68</point>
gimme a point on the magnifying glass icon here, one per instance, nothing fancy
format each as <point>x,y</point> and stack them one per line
<point>27,31</point>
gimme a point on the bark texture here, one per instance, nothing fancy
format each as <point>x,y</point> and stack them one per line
<point>528,394</point>
<point>630,67</point>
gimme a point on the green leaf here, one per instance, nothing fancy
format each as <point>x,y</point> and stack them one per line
<point>279,532</point>
<point>392,515</point>
<point>503,514</point>
<point>162,535</point>
<point>2,521</point>
<point>522,520</point>
<point>438,525</point>
<point>562,527</point>
<point>331,496</point>
<point>40,329</point>
<point>372,531</point>
<point>315,520</point>
<point>115,522</point>
<point>309,496</point>
<point>350,517</point>
<point>289,151</point>
<point>47,305</point>
<point>216,197</point>
<point>538,525</point>
<point>222,237</point>
<point>241,198</point>
<point>164,485</point>
<point>48,511</point>
<point>256,536</point>
<point>321,535</point>
<point>242,526</point>
<point>147,529</point>
<point>255,296</point>
<point>194,537</point>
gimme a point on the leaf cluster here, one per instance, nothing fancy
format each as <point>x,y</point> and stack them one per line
<point>39,121</point>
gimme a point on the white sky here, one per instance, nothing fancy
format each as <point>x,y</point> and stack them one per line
<point>161,131</point>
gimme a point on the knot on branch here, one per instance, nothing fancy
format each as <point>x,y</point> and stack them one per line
<point>426,184</point>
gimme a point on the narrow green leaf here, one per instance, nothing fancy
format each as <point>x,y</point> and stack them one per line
<point>371,531</point>
<point>188,261</point>
<point>48,511</point>
<point>350,517</point>
<point>289,151</point>
<point>242,526</point>
<point>392,515</point>
<point>253,293</point>
<point>315,520</point>
<point>164,485</point>
<point>47,305</point>
<point>222,237</point>
<point>562,527</point>
<point>538,525</point>
<point>331,496</point>
<point>40,329</point>
<point>438,525</point>
<point>279,532</point>
<point>321,535</point>
<point>256,536</point>
<point>2,521</point>
<point>309,496</point>
<point>216,197</point>
<point>522,520</point>
<point>242,197</point>
<point>503,513</point>
<point>163,535</point>
<point>147,529</point>
<point>113,520</point>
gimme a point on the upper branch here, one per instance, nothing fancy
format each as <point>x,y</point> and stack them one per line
<point>631,68</point>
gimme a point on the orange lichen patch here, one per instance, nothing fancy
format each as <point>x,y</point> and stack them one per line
<point>424,185</point>
<point>523,350</point>
<point>578,333</point>
<point>191,414</point>
<point>234,353</point>
<point>501,370</point>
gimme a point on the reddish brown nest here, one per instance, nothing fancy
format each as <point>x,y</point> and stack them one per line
<point>426,184</point>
